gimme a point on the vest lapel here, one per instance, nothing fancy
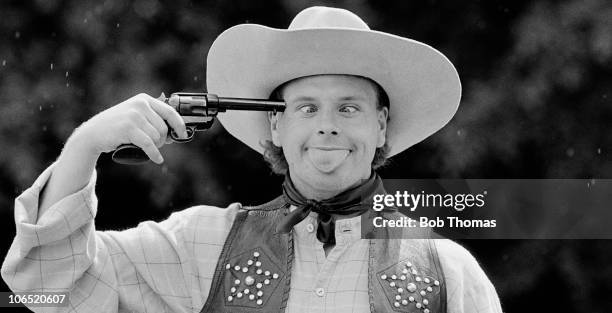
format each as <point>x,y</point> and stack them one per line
<point>254,268</point>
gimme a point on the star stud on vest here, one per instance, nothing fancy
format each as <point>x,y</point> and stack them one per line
<point>250,279</point>
<point>406,287</point>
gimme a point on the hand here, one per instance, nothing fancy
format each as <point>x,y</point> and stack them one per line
<point>141,120</point>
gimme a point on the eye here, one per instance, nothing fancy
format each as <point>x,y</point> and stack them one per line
<point>349,109</point>
<point>308,108</point>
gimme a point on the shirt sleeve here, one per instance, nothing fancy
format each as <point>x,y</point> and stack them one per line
<point>468,288</point>
<point>154,267</point>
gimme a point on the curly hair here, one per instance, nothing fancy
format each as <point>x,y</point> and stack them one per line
<point>275,157</point>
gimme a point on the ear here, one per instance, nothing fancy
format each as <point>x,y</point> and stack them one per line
<point>274,119</point>
<point>382,122</point>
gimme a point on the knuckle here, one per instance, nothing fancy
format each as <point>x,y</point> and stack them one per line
<point>132,133</point>
<point>140,103</point>
<point>134,116</point>
<point>152,135</point>
<point>157,137</point>
<point>142,96</point>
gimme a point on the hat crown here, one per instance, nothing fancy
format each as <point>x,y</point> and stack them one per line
<point>326,17</point>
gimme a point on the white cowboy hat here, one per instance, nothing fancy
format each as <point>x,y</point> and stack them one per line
<point>250,61</point>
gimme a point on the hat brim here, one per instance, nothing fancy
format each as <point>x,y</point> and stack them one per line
<point>250,61</point>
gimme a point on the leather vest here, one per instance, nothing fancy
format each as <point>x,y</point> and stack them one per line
<point>253,273</point>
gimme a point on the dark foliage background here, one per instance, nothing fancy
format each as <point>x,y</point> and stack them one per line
<point>536,104</point>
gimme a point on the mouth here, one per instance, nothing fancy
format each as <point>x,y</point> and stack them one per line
<point>327,158</point>
<point>329,148</point>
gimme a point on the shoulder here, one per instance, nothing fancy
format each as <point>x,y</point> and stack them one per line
<point>452,253</point>
<point>468,287</point>
<point>272,205</point>
<point>458,263</point>
<point>210,210</point>
<point>213,217</point>
<point>205,215</point>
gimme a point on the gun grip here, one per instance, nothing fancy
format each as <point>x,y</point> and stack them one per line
<point>129,154</point>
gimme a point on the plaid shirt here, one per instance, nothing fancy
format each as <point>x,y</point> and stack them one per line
<point>168,266</point>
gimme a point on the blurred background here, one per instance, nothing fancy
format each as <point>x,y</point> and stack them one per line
<point>537,90</point>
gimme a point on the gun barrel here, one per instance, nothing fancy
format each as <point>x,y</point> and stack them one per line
<point>249,104</point>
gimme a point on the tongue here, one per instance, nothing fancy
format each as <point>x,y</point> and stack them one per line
<point>327,160</point>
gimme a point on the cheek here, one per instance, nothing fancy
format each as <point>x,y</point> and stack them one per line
<point>367,135</point>
<point>291,135</point>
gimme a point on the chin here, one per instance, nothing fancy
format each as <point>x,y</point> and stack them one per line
<point>331,181</point>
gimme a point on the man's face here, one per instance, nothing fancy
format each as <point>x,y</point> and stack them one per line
<point>329,132</point>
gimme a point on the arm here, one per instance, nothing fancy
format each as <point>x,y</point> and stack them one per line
<point>140,120</point>
<point>72,171</point>
<point>468,287</point>
<point>57,247</point>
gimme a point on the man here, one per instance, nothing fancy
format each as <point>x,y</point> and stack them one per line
<point>353,97</point>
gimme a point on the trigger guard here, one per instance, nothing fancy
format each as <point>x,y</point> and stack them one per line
<point>190,134</point>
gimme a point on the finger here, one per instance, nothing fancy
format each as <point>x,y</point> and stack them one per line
<point>158,123</point>
<point>139,119</point>
<point>153,133</point>
<point>170,115</point>
<point>144,142</point>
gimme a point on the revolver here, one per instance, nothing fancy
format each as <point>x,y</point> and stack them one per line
<point>198,111</point>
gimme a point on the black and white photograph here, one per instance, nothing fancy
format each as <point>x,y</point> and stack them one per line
<point>306,156</point>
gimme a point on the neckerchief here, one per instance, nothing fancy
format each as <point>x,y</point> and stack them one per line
<point>348,202</point>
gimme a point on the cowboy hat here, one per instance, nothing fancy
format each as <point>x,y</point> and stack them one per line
<point>250,61</point>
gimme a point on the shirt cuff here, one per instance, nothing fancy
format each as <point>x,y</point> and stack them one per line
<point>59,220</point>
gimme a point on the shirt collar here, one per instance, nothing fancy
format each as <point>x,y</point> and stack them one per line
<point>347,230</point>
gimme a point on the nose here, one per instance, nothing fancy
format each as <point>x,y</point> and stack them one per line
<point>327,124</point>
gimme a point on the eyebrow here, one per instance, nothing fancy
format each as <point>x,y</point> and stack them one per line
<point>304,98</point>
<point>352,98</point>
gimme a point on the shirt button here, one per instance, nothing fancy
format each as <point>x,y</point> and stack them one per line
<point>320,292</point>
<point>310,228</point>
